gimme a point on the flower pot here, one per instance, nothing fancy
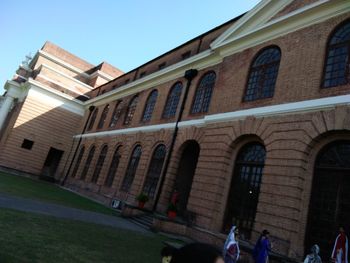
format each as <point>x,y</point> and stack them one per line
<point>171,214</point>
<point>141,204</point>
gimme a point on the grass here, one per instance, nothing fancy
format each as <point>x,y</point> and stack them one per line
<point>26,237</point>
<point>48,192</point>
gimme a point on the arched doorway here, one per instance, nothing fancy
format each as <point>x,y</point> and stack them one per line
<point>185,173</point>
<point>330,197</point>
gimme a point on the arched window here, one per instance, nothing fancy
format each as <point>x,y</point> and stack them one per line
<point>172,101</point>
<point>77,164</point>
<point>103,117</point>
<point>149,107</point>
<point>87,162</point>
<point>131,170</point>
<point>263,74</point>
<point>336,70</point>
<point>245,188</point>
<point>203,93</point>
<point>154,171</point>
<point>113,168</point>
<point>131,110</point>
<point>116,114</point>
<point>99,164</point>
<point>92,120</point>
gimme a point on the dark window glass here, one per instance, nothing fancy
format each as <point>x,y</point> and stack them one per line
<point>131,110</point>
<point>77,163</point>
<point>27,144</point>
<point>87,163</point>
<point>99,164</point>
<point>142,74</point>
<point>92,120</point>
<point>203,93</point>
<point>149,107</point>
<point>263,75</point>
<point>103,117</point>
<point>154,171</point>
<point>336,71</point>
<point>131,169</point>
<point>113,168</point>
<point>172,101</point>
<point>186,55</point>
<point>245,189</point>
<point>161,66</point>
<point>116,114</point>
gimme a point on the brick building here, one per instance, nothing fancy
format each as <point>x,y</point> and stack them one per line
<point>250,122</point>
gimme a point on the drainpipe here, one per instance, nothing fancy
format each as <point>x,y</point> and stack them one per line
<point>91,109</point>
<point>189,76</point>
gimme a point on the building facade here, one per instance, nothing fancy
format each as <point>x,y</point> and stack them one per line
<point>249,122</point>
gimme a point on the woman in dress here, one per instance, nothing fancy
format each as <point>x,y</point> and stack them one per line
<point>231,247</point>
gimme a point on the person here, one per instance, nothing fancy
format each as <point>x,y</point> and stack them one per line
<point>340,249</point>
<point>194,253</point>
<point>262,248</point>
<point>313,257</point>
<point>231,247</point>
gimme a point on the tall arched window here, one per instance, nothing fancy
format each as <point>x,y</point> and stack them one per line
<point>99,164</point>
<point>77,164</point>
<point>103,117</point>
<point>131,110</point>
<point>113,168</point>
<point>149,107</point>
<point>154,171</point>
<point>336,70</point>
<point>245,188</point>
<point>203,93</point>
<point>172,100</point>
<point>116,114</point>
<point>263,74</point>
<point>131,169</point>
<point>92,119</point>
<point>87,162</point>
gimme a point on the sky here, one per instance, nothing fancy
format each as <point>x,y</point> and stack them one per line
<point>124,33</point>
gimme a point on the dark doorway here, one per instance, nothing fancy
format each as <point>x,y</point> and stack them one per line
<point>330,197</point>
<point>51,163</point>
<point>185,173</point>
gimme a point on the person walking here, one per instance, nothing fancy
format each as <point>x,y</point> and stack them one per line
<point>231,247</point>
<point>340,249</point>
<point>313,257</point>
<point>262,248</point>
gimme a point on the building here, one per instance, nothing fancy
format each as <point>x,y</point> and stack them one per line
<point>249,122</point>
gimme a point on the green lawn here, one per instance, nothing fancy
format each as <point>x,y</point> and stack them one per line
<point>44,191</point>
<point>26,237</point>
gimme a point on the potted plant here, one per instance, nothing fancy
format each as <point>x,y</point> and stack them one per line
<point>142,198</point>
<point>172,211</point>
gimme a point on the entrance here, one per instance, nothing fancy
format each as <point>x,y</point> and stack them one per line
<point>185,173</point>
<point>51,163</point>
<point>330,197</point>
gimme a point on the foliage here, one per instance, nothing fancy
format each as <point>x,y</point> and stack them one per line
<point>142,198</point>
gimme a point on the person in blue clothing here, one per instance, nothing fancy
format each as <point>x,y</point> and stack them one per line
<point>262,248</point>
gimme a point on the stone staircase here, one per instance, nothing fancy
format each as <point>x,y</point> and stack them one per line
<point>145,221</point>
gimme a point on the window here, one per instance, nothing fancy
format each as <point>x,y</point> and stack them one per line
<point>99,164</point>
<point>172,101</point>
<point>131,169</point>
<point>131,110</point>
<point>154,171</point>
<point>27,144</point>
<point>87,163</point>
<point>149,107</point>
<point>103,117</point>
<point>142,74</point>
<point>127,81</point>
<point>263,74</point>
<point>92,120</point>
<point>77,164</point>
<point>162,65</point>
<point>245,189</point>
<point>113,168</point>
<point>336,71</point>
<point>186,55</point>
<point>116,114</point>
<point>203,93</point>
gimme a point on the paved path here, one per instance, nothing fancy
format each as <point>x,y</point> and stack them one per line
<point>33,206</point>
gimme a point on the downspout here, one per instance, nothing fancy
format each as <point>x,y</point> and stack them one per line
<point>189,76</point>
<point>91,109</point>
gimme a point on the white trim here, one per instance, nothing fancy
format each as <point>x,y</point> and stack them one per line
<point>267,111</point>
<point>99,73</point>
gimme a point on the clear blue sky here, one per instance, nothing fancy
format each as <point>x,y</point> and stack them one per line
<point>124,33</point>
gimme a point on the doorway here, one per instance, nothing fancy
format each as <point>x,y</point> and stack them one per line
<point>51,163</point>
